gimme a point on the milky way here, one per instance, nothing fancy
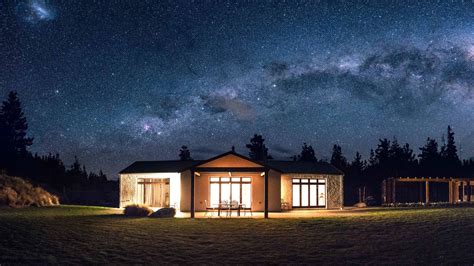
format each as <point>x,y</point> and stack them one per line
<point>115,81</point>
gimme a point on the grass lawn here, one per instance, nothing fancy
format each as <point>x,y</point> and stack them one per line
<point>71,234</point>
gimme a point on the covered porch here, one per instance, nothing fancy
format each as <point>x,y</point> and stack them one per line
<point>231,191</point>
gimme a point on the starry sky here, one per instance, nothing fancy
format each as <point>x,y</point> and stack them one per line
<point>118,81</point>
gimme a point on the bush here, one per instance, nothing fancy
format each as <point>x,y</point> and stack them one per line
<point>164,213</point>
<point>17,192</point>
<point>137,210</point>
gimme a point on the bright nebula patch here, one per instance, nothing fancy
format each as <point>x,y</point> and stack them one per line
<point>35,11</point>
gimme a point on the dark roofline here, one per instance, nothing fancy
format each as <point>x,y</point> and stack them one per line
<point>133,168</point>
<point>124,171</point>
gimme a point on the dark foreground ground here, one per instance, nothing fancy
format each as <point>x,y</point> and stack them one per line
<point>99,235</point>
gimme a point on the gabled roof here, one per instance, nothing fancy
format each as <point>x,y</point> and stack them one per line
<point>304,167</point>
<point>158,167</point>
<point>231,153</point>
<point>295,167</point>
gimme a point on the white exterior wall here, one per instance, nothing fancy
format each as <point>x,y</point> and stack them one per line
<point>128,185</point>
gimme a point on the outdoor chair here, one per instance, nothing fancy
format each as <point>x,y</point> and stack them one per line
<point>234,205</point>
<point>224,206</point>
<point>246,208</point>
<point>209,209</point>
<point>285,206</point>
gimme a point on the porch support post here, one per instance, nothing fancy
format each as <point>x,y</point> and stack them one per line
<point>451,197</point>
<point>427,192</point>
<point>394,190</point>
<point>266,194</point>
<point>469,192</point>
<point>192,193</point>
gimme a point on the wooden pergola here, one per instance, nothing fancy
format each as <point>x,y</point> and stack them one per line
<point>454,190</point>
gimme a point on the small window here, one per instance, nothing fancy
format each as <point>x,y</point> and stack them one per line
<point>321,181</point>
<point>304,180</point>
<point>214,179</point>
<point>246,179</point>
<point>313,181</point>
<point>296,180</point>
<point>225,179</point>
<point>235,179</point>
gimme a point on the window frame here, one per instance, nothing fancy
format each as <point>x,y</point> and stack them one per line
<point>230,181</point>
<point>309,182</point>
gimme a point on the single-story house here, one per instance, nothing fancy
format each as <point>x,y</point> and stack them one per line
<point>191,186</point>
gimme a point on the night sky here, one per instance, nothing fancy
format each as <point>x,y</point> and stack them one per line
<point>118,81</point>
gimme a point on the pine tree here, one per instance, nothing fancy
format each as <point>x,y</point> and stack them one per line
<point>372,160</point>
<point>77,174</point>
<point>358,165</point>
<point>13,128</point>
<point>307,153</point>
<point>382,153</point>
<point>185,154</point>
<point>449,150</point>
<point>258,150</point>
<point>337,159</point>
<point>430,158</point>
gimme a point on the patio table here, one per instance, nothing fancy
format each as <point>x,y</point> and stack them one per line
<point>228,207</point>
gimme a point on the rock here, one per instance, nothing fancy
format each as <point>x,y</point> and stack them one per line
<point>164,213</point>
<point>360,205</point>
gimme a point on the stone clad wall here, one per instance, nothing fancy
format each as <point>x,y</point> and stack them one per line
<point>334,188</point>
<point>335,191</point>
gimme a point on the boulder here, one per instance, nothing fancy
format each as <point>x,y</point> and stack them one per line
<point>164,213</point>
<point>360,205</point>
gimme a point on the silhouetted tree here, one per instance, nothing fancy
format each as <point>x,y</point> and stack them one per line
<point>372,160</point>
<point>429,157</point>
<point>357,166</point>
<point>13,129</point>
<point>258,150</point>
<point>185,154</point>
<point>97,179</point>
<point>382,153</point>
<point>449,154</point>
<point>337,159</point>
<point>354,179</point>
<point>307,153</point>
<point>400,159</point>
<point>76,174</point>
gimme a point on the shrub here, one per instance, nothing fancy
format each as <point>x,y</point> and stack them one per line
<point>17,192</point>
<point>137,210</point>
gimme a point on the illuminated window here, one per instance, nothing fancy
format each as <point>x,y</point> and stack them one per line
<point>230,189</point>
<point>308,193</point>
<point>154,192</point>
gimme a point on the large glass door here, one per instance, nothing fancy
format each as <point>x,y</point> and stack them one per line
<point>308,193</point>
<point>154,192</point>
<point>230,189</point>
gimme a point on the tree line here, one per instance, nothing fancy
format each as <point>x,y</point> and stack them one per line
<point>74,184</point>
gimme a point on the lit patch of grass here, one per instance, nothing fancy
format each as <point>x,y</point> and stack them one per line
<point>100,235</point>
